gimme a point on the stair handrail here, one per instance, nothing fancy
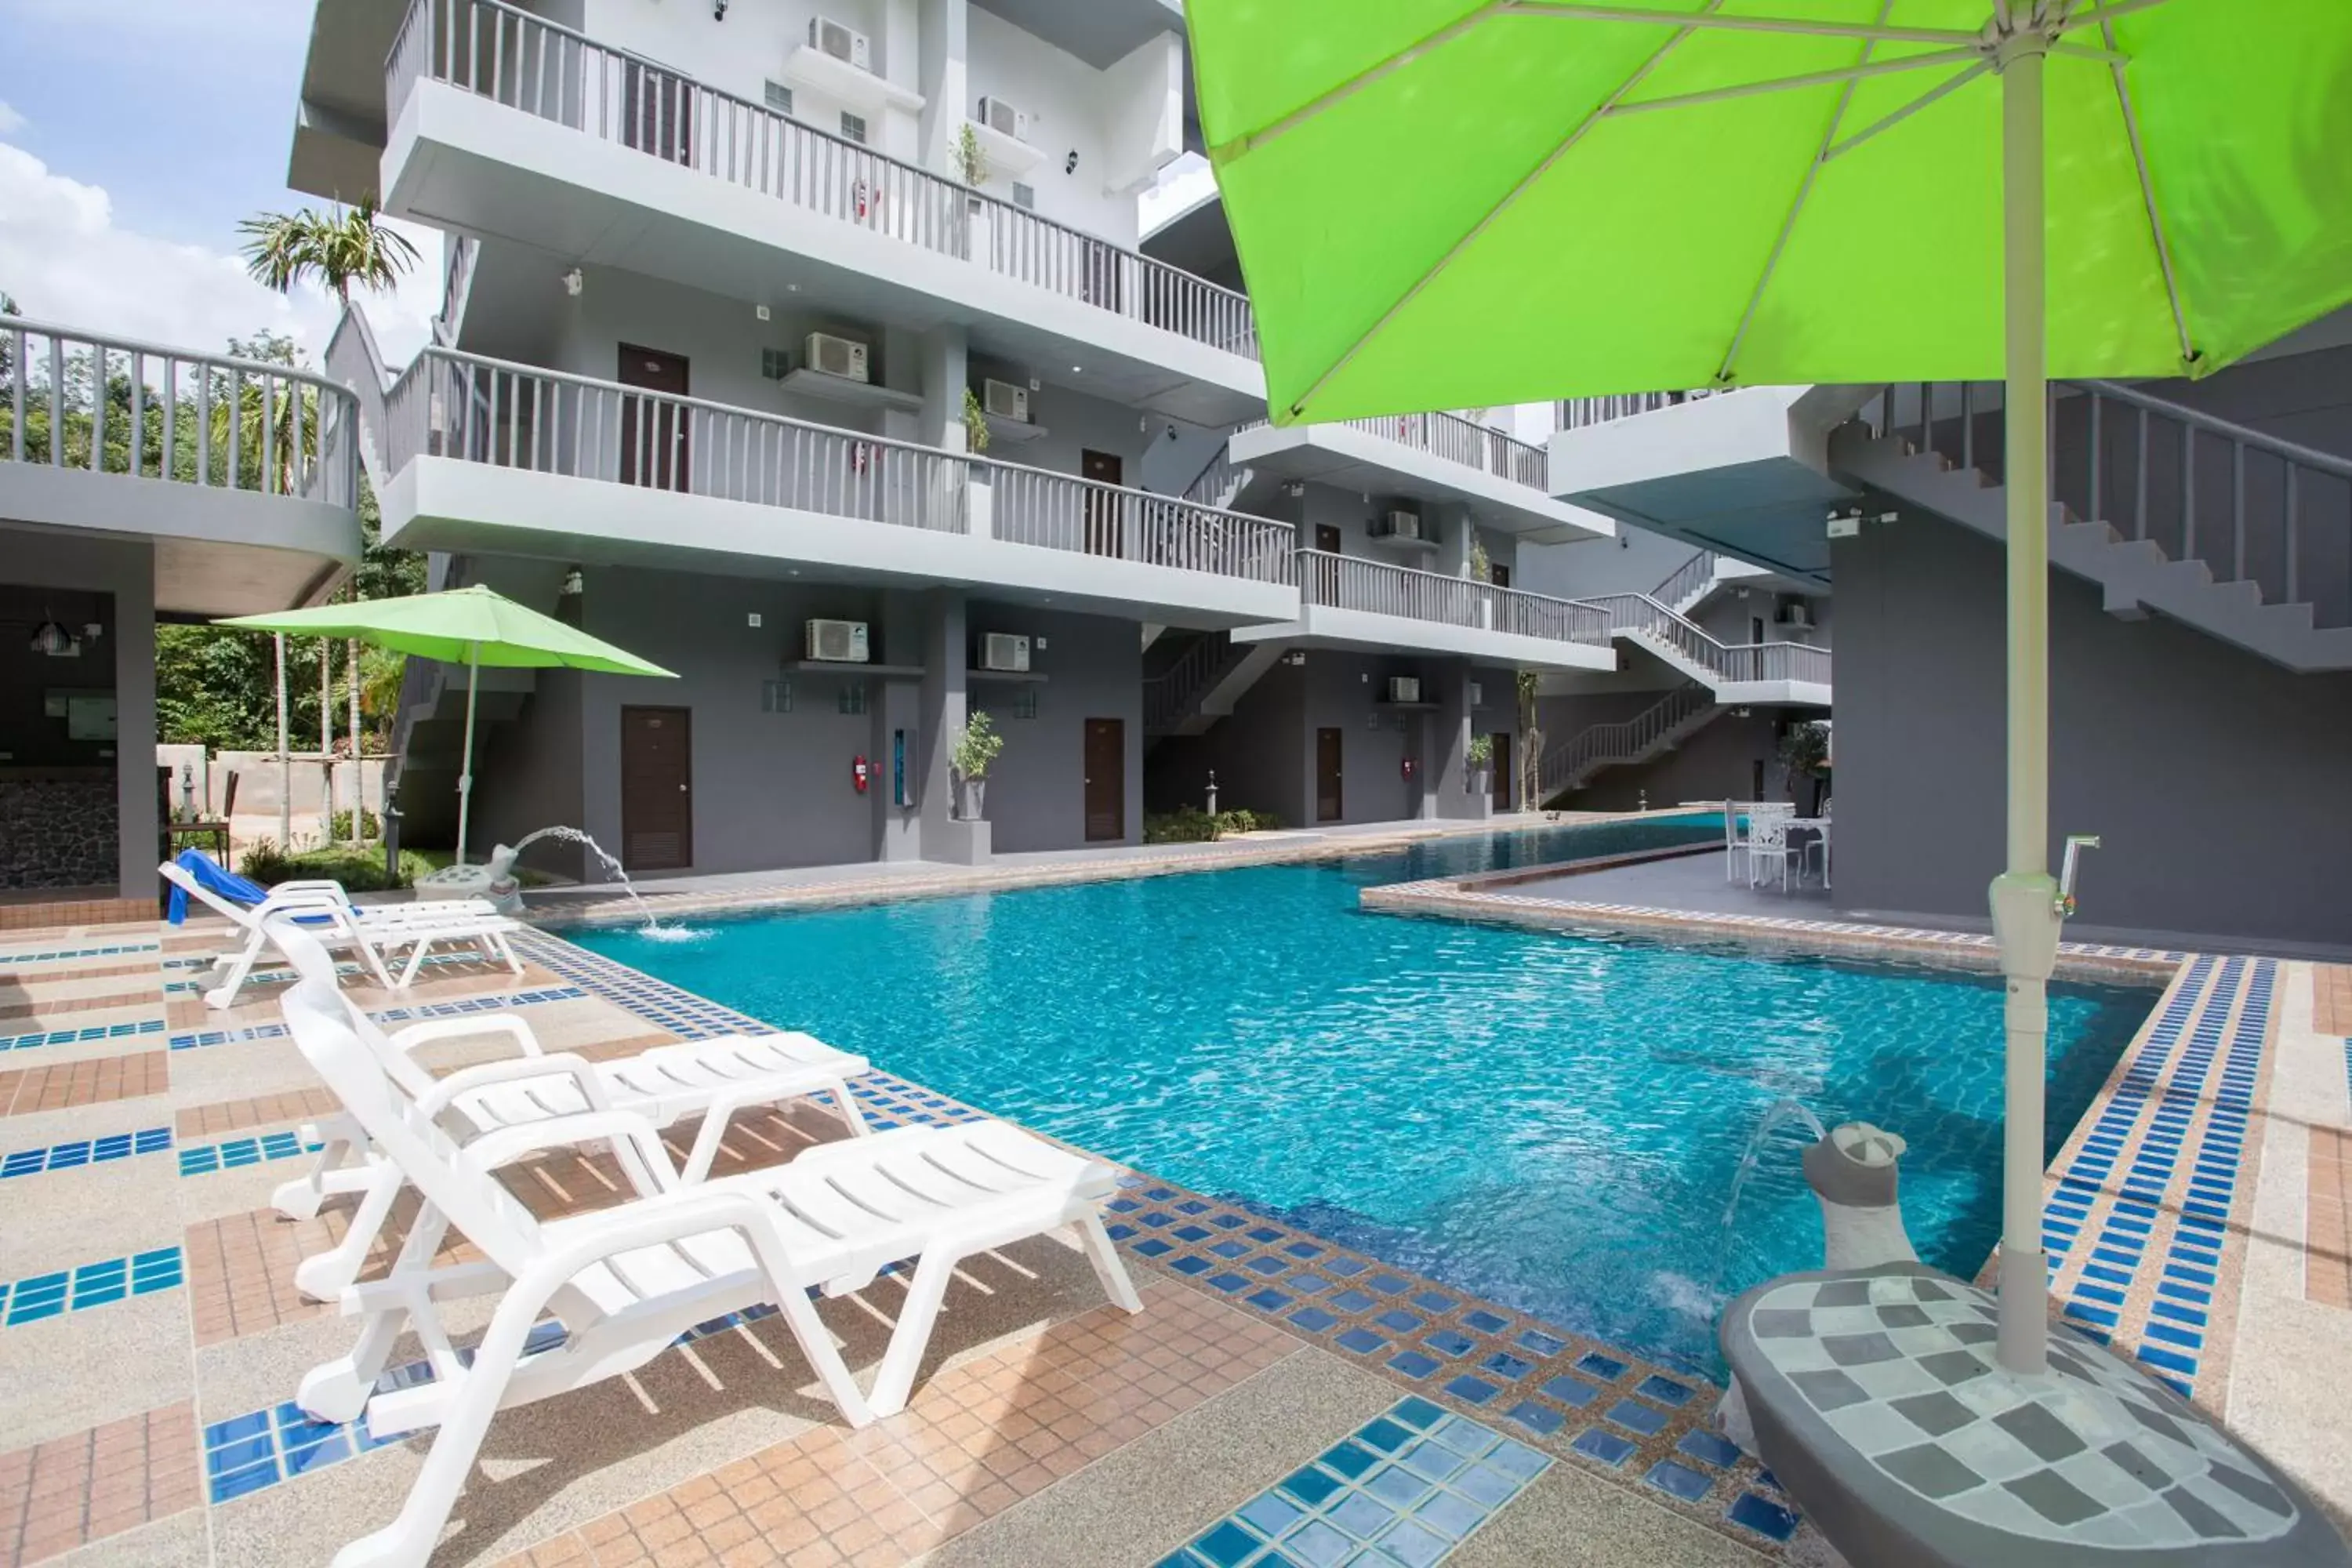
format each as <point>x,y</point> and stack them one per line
<point>1620,741</point>
<point>1693,574</point>
<point>1639,614</point>
<point>456,287</point>
<point>2213,423</point>
<point>1170,696</point>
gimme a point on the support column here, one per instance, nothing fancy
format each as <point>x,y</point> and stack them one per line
<point>902,65</point>
<point>945,640</point>
<point>134,724</point>
<point>897,709</point>
<point>1449,765</point>
<point>940,31</point>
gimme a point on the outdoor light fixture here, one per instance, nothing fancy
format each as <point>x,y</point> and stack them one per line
<point>573,282</point>
<point>719,10</point>
<point>52,639</point>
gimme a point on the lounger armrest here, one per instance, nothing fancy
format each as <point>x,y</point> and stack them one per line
<point>636,1144</point>
<point>316,885</point>
<point>406,1041</point>
<point>517,1069</point>
<point>669,1216</point>
<point>437,912</point>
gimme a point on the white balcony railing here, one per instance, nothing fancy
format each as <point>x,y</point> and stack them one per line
<point>1456,440</point>
<point>452,404</point>
<point>542,69</point>
<point>1639,615</point>
<point>109,405</point>
<point>1352,582</point>
<point>1576,413</point>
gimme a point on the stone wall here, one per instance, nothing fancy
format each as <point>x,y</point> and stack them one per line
<point>61,833</point>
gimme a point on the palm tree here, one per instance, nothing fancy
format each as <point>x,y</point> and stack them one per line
<point>338,249</point>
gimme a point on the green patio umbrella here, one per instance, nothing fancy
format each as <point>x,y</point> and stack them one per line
<point>1464,203</point>
<point>472,627</point>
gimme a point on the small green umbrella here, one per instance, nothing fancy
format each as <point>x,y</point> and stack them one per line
<point>1464,203</point>
<point>472,627</point>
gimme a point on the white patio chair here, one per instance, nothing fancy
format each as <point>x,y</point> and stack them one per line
<point>374,933</point>
<point>1735,843</point>
<point>1768,843</point>
<point>621,1284</point>
<point>711,1078</point>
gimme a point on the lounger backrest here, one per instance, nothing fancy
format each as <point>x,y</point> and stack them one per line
<point>478,1206</point>
<point>177,875</point>
<point>314,963</point>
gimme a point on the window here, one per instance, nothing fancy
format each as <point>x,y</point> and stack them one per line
<point>779,97</point>
<point>853,697</point>
<point>853,126</point>
<point>775,697</point>
<point>1024,195</point>
<point>775,364</point>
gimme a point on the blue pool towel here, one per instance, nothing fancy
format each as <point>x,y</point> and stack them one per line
<point>215,876</point>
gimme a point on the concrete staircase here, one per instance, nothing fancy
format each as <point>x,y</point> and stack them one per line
<point>1647,736</point>
<point>1201,681</point>
<point>354,360</point>
<point>2168,509</point>
<point>1222,482</point>
<point>1769,672</point>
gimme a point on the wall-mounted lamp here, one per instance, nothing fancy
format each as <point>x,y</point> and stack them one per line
<point>573,281</point>
<point>719,10</point>
<point>1070,164</point>
<point>51,640</point>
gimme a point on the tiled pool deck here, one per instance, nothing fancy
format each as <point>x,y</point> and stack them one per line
<point>1281,1399</point>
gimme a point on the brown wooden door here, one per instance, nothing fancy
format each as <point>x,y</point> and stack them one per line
<point>657,788</point>
<point>1503,771</point>
<point>1499,574</point>
<point>653,430</point>
<point>1102,506</point>
<point>657,113</point>
<point>1106,764</point>
<point>1328,802</point>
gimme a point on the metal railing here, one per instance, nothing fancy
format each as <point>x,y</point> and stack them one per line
<point>1352,582</point>
<point>1570,765</point>
<point>74,400</point>
<point>2250,506</point>
<point>1220,478</point>
<point>1456,440</point>
<point>545,69</point>
<point>1577,412</point>
<point>1688,582</point>
<point>467,406</point>
<point>1639,615</point>
<point>457,287</point>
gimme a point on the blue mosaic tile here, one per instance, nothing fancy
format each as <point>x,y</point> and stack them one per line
<point>1573,1391</point>
<point>1471,1390</point>
<point>1414,1364</point>
<point>1353,1301</point>
<point>1678,1480</point>
<point>1314,1320</point>
<point>1485,1323</point>
<point>1446,1342</point>
<point>1710,1449</point>
<point>1608,1369</point>
<point>1397,1321</point>
<point>1364,1342</point>
<point>1606,1446</point>
<point>1541,1419</point>
<point>1507,1366</point>
<point>1762,1515</point>
<point>1542,1344</point>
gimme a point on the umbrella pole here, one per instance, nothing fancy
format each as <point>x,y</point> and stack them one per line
<point>466,762</point>
<point>2024,897</point>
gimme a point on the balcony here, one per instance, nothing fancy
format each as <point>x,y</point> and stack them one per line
<point>1347,601</point>
<point>505,124</point>
<point>243,475</point>
<point>1767,674</point>
<point>487,456</point>
<point>1429,457</point>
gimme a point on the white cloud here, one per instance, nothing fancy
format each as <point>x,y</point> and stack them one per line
<point>10,121</point>
<point>65,260</point>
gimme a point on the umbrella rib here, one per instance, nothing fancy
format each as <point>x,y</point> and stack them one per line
<point>2155,217</point>
<point>1876,33</point>
<point>1249,141</point>
<point>1796,208</point>
<point>1889,122</point>
<point>1810,79</point>
<point>1567,142</point>
<point>2101,16</point>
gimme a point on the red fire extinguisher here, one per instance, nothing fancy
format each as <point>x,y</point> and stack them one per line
<point>859,773</point>
<point>1409,765</point>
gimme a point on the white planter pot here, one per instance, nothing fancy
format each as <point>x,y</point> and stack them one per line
<point>969,799</point>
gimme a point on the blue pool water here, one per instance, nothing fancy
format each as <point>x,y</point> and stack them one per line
<point>1552,1121</point>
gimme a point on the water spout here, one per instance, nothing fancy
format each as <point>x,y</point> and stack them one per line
<point>1777,1115</point>
<point>502,878</point>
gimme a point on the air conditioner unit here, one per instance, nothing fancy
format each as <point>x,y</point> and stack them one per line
<point>837,642</point>
<point>1000,650</point>
<point>1797,615</point>
<point>1401,524</point>
<point>1004,118</point>
<point>836,356</point>
<point>1404,689</point>
<point>830,37</point>
<point>1004,400</point>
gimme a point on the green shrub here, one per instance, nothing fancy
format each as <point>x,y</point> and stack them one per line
<point>370,826</point>
<point>359,870</point>
<point>1190,825</point>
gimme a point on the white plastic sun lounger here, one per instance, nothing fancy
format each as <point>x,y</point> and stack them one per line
<point>623,1283</point>
<point>374,933</point>
<point>711,1078</point>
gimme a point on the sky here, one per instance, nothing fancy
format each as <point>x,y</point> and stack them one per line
<point>131,146</point>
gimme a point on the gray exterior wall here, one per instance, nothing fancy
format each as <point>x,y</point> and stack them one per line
<point>1094,669</point>
<point>2217,781</point>
<point>1635,562</point>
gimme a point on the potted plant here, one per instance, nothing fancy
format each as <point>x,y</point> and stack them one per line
<point>1480,754</point>
<point>975,423</point>
<point>1805,754</point>
<point>976,748</point>
<point>1482,570</point>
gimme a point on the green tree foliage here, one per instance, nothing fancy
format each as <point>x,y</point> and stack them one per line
<point>337,248</point>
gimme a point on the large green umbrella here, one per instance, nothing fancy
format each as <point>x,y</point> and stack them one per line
<point>472,627</point>
<point>1449,203</point>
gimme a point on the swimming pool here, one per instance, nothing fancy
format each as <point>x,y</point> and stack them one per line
<point>1550,1121</point>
